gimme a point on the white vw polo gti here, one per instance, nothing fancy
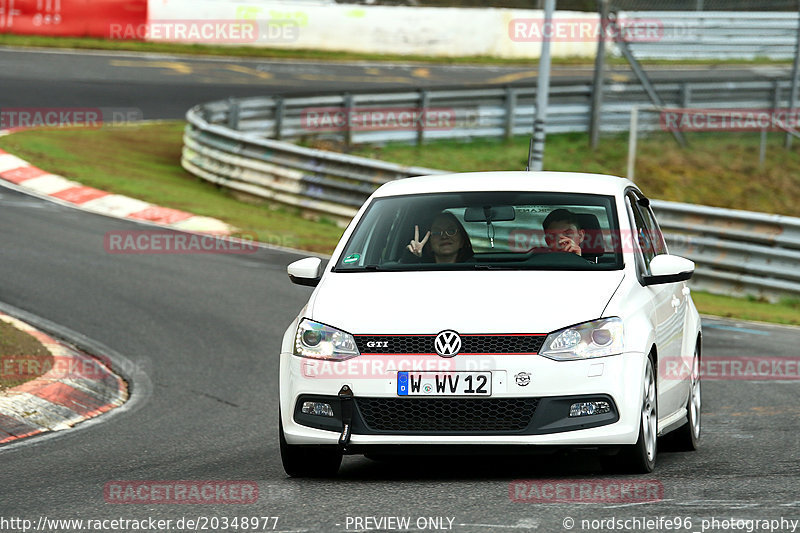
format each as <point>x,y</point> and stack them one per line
<point>503,311</point>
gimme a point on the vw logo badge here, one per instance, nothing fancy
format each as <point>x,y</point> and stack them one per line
<point>447,343</point>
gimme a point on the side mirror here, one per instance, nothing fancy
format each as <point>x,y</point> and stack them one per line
<point>667,268</point>
<point>306,271</point>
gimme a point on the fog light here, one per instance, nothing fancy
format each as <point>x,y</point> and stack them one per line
<point>589,408</point>
<point>317,408</point>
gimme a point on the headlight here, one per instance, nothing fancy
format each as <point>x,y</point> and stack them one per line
<point>319,341</point>
<point>597,338</point>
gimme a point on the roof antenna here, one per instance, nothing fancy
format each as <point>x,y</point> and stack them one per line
<point>536,147</point>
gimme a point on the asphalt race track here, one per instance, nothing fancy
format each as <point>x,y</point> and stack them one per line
<point>203,332</point>
<point>166,86</point>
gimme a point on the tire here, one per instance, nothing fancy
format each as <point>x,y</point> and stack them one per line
<point>687,437</point>
<point>308,461</point>
<point>640,458</point>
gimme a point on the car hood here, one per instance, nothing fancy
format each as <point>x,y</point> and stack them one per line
<point>467,302</point>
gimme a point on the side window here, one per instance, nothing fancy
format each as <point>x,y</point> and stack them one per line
<point>656,238</point>
<point>644,250</point>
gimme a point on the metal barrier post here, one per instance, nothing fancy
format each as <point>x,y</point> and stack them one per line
<point>686,95</point>
<point>511,110</point>
<point>599,75</point>
<point>279,110</point>
<point>632,135</point>
<point>347,101</point>
<point>423,106</point>
<point>233,114</point>
<point>795,74</point>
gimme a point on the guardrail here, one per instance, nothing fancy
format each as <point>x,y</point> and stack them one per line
<point>716,34</point>
<point>499,112</point>
<point>326,183</point>
<point>736,252</point>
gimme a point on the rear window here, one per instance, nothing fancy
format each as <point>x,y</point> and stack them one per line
<point>485,230</point>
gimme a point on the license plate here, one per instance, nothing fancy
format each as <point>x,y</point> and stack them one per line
<point>444,383</point>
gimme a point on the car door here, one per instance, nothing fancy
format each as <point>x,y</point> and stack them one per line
<point>676,329</point>
<point>668,310</point>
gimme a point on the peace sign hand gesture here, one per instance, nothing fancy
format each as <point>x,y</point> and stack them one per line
<point>416,246</point>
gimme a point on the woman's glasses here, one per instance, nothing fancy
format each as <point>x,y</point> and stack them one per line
<point>449,232</point>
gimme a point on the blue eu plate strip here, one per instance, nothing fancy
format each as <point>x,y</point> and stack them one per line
<point>402,383</point>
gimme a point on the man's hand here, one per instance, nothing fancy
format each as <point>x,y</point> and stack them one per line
<point>565,244</point>
<point>416,246</point>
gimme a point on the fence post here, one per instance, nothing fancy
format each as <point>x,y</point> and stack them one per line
<point>424,98</point>
<point>599,76</point>
<point>347,100</point>
<point>279,110</point>
<point>632,136</point>
<point>511,110</point>
<point>776,103</point>
<point>795,73</point>
<point>233,113</point>
<point>686,95</point>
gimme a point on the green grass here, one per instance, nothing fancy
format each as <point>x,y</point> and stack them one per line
<point>22,357</point>
<point>786,311</point>
<point>719,170</point>
<point>144,162</point>
<point>90,43</point>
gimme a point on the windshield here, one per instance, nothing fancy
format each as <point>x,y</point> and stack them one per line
<point>485,230</point>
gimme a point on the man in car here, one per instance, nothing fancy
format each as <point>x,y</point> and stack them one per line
<point>563,232</point>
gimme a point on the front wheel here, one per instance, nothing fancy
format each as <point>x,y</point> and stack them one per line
<point>640,458</point>
<point>308,461</point>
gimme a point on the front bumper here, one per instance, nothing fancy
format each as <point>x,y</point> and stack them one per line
<point>553,386</point>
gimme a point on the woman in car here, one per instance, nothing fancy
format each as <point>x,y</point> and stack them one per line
<point>449,243</point>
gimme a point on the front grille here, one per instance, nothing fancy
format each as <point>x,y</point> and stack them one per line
<point>470,344</point>
<point>457,415</point>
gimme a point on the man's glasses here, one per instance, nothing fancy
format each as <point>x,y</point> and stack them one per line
<point>449,232</point>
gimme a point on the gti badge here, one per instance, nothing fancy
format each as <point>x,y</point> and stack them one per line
<point>377,344</point>
<point>447,343</point>
<point>523,378</point>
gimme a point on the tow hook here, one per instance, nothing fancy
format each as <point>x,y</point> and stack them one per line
<point>346,402</point>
